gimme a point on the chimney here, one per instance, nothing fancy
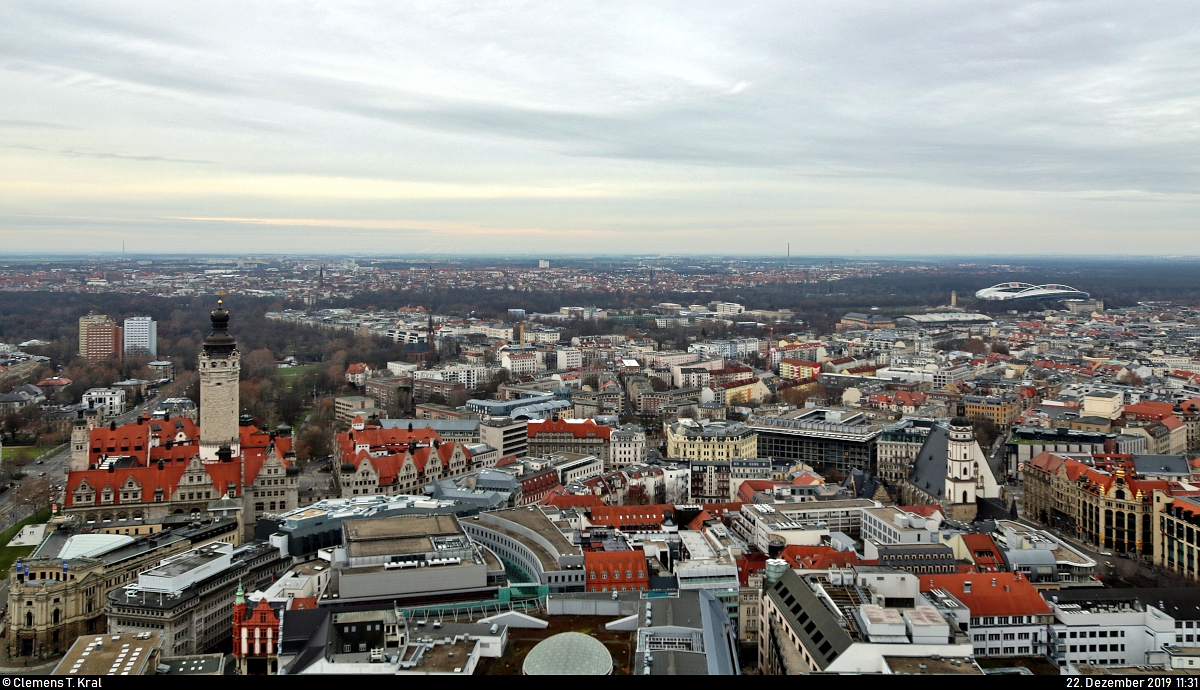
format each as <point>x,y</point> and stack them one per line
<point>993,582</point>
<point>141,421</point>
<point>160,465</point>
<point>112,426</point>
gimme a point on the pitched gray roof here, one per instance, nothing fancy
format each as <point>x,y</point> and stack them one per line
<point>1161,464</point>
<point>929,469</point>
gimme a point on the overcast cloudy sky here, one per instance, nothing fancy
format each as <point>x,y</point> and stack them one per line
<point>843,127</point>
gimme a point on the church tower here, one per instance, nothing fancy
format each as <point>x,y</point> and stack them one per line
<point>962,470</point>
<point>220,366</point>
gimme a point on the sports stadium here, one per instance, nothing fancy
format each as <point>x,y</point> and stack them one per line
<point>1005,292</point>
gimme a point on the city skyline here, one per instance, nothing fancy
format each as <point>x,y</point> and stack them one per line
<point>861,131</point>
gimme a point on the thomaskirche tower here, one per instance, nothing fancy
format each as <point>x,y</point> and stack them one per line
<point>220,366</point>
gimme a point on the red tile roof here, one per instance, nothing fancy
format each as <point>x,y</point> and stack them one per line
<point>751,486</point>
<point>984,552</point>
<point>697,523</point>
<point>559,497</point>
<point>388,466</point>
<point>648,517</point>
<point>578,428</point>
<point>924,511</point>
<point>817,557</point>
<point>1011,595</point>
<point>395,440</point>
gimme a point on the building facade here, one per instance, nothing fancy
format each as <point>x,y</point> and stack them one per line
<point>1105,504</point>
<point>714,440</point>
<point>220,366</point>
<point>582,436</point>
<point>141,337</point>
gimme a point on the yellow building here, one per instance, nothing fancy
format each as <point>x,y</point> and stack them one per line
<point>710,440</point>
<point>798,369</point>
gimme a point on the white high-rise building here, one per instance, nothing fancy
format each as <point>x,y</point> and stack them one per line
<point>141,336</point>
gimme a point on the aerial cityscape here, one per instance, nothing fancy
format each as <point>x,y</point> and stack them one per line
<point>462,338</point>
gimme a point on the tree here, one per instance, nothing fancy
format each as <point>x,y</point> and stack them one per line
<point>974,346</point>
<point>986,432</point>
<point>635,495</point>
<point>1130,378</point>
<point>259,364</point>
<point>314,442</point>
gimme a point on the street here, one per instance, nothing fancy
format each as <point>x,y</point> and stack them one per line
<point>13,509</point>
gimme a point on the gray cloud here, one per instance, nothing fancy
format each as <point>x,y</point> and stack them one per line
<point>829,106</point>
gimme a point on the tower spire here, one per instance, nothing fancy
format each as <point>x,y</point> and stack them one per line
<point>220,366</point>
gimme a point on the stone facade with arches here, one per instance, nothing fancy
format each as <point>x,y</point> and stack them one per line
<point>1105,503</point>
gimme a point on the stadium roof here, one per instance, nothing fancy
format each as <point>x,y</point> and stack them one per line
<point>1014,291</point>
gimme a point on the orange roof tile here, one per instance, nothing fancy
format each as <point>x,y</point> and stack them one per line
<point>1011,595</point>
<point>579,429</point>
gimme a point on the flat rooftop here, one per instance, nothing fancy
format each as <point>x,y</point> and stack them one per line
<point>534,519</point>
<point>800,506</point>
<point>188,563</point>
<point>446,658</point>
<point>196,665</point>
<point>399,535</point>
<point>110,655</point>
<point>548,560</point>
<point>912,665</point>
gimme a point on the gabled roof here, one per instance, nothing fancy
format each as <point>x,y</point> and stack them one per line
<point>929,469</point>
<point>388,466</point>
<point>392,438</point>
<point>1047,461</point>
<point>149,479</point>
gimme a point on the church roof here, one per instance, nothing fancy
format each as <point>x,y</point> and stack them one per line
<point>929,469</point>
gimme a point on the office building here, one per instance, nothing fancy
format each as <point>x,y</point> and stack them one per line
<point>141,337</point>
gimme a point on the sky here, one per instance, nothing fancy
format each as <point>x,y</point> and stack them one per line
<point>843,128</point>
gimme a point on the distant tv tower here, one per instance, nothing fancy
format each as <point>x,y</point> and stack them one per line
<point>789,254</point>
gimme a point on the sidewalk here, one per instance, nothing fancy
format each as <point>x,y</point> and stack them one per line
<point>9,668</point>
